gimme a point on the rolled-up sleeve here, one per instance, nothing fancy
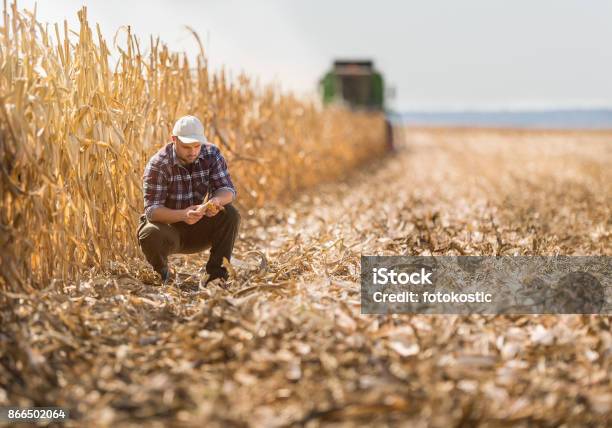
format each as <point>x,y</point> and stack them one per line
<point>155,188</point>
<point>219,175</point>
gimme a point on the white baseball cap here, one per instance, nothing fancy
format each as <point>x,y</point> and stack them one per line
<point>189,130</point>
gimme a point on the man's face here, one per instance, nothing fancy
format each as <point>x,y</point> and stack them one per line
<point>187,153</point>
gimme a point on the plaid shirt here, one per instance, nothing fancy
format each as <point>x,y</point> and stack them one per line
<point>167,183</point>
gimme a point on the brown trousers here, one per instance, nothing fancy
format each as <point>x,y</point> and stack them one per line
<point>158,240</point>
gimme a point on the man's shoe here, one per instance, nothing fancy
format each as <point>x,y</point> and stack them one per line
<point>211,277</point>
<point>166,275</point>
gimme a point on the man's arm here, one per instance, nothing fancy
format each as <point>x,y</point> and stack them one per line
<point>222,188</point>
<point>223,196</point>
<point>168,215</point>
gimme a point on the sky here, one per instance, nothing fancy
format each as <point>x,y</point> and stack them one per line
<point>436,54</point>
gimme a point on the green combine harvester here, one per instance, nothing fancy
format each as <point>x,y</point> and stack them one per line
<point>357,85</point>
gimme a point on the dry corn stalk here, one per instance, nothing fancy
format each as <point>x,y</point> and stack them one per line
<point>77,126</point>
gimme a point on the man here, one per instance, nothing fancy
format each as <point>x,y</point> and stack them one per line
<point>175,220</point>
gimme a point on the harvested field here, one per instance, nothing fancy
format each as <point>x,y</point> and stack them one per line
<point>284,344</point>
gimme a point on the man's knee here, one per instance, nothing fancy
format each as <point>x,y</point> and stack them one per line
<point>150,236</point>
<point>232,213</point>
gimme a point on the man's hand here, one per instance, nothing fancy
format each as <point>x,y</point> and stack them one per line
<point>193,214</point>
<point>209,209</point>
<point>212,207</point>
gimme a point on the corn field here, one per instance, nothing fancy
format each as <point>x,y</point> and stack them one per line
<point>77,130</point>
<point>86,325</point>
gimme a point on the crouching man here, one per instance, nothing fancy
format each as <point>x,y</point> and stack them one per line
<point>176,181</point>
